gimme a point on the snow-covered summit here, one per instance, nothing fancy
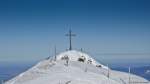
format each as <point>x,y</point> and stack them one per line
<point>81,69</point>
<point>74,55</point>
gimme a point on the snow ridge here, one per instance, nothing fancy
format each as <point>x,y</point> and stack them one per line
<point>81,69</point>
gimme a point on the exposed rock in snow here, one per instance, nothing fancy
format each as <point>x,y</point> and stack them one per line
<point>81,69</point>
<point>80,57</point>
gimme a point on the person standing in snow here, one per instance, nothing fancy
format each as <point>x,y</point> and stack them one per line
<point>66,58</point>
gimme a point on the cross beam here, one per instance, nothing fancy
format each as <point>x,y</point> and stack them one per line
<point>70,35</point>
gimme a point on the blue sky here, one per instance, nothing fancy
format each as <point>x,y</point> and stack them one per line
<point>29,29</point>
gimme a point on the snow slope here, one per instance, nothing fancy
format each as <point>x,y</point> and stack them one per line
<point>57,72</point>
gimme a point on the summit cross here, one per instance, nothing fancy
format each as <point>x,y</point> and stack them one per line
<point>70,35</point>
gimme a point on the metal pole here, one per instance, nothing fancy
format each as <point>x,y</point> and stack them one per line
<point>55,54</point>
<point>129,75</point>
<point>108,73</point>
<point>70,40</point>
<point>81,50</point>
